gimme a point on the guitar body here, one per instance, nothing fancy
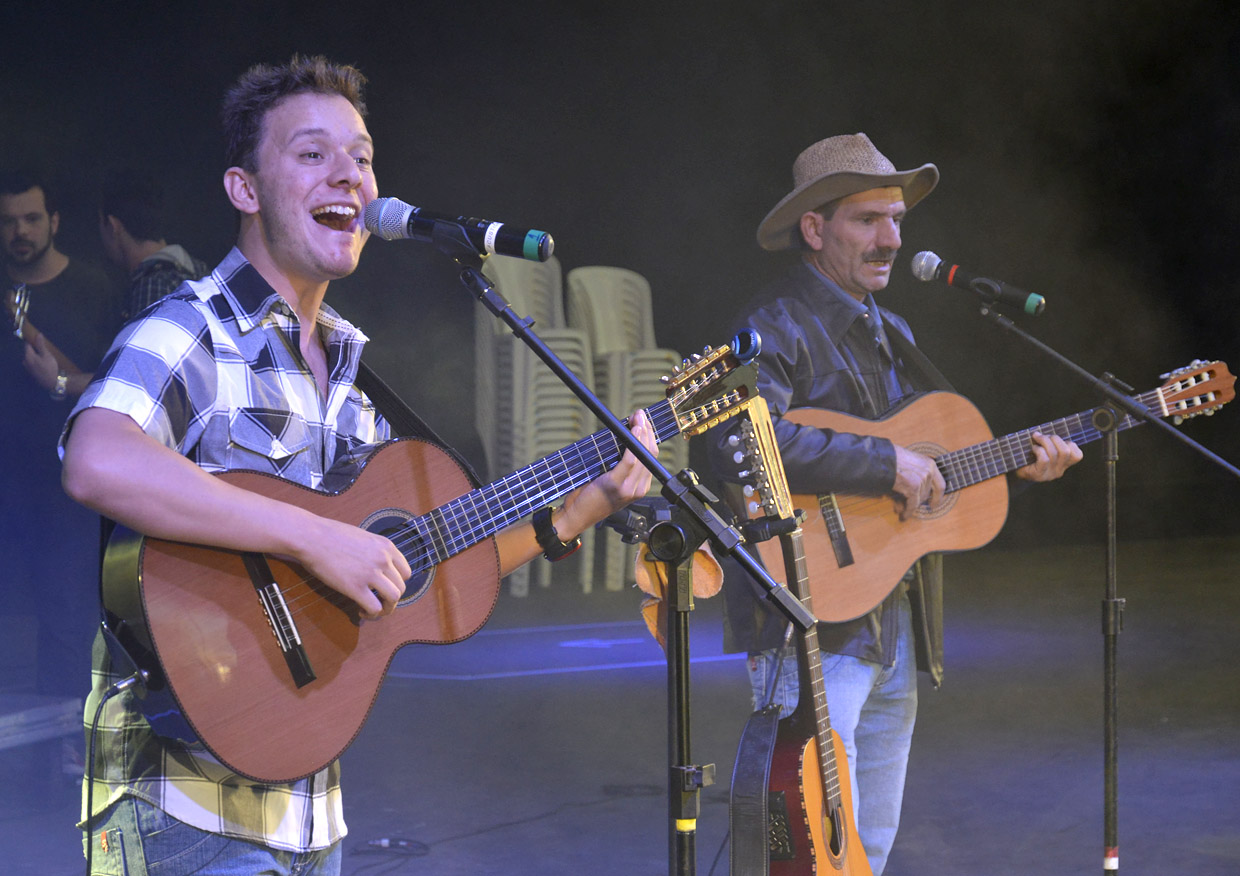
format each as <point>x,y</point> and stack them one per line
<point>826,841</point>
<point>882,546</point>
<point>192,618</point>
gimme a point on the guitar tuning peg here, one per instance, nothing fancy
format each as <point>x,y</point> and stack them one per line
<point>697,357</point>
<point>663,378</point>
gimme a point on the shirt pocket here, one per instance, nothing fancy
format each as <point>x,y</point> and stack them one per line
<point>270,440</point>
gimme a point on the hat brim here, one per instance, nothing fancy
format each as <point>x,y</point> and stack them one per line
<point>781,229</point>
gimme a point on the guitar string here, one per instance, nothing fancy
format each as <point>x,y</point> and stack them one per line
<point>970,465</point>
<point>418,531</point>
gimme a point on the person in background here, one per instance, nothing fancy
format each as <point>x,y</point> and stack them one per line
<point>131,225</point>
<point>49,551</point>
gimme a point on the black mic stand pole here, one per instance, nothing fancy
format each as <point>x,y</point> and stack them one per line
<point>698,521</point>
<point>1108,419</point>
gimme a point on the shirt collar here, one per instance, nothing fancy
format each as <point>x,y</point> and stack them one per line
<point>846,309</point>
<point>252,299</point>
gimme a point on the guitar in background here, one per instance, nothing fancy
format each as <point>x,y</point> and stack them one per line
<point>18,303</point>
<point>857,548</point>
<point>810,828</point>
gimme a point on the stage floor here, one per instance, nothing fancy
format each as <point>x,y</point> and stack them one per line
<point>538,746</point>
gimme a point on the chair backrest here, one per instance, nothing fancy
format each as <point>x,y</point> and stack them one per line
<point>613,306</point>
<point>533,289</point>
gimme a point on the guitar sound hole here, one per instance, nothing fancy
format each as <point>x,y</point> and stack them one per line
<point>835,828</point>
<point>394,524</point>
<point>949,499</point>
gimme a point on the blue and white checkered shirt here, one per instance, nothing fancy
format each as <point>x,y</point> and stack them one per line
<point>214,372</point>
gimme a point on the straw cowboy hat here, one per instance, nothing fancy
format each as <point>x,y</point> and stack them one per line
<point>835,168</point>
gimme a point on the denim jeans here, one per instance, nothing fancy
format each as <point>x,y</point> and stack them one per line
<point>134,838</point>
<point>873,709</point>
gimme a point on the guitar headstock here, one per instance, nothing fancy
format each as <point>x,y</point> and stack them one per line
<point>762,468</point>
<point>1198,388</point>
<point>714,385</point>
<point>19,303</point>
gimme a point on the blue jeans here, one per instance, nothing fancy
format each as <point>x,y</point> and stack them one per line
<point>873,709</point>
<point>134,838</point>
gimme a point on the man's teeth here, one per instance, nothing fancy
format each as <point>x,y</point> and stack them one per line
<point>340,210</point>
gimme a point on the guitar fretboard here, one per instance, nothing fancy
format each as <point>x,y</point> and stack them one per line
<point>451,528</point>
<point>970,465</point>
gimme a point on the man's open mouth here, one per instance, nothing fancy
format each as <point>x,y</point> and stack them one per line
<point>335,216</point>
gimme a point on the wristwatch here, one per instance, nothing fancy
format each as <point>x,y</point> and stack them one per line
<point>549,540</point>
<point>61,389</point>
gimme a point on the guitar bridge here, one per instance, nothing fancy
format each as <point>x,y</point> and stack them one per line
<point>280,619</point>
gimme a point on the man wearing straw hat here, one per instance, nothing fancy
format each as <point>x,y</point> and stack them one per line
<point>826,344</point>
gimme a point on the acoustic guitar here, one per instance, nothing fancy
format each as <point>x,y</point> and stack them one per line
<point>275,673</point>
<point>857,548</point>
<point>810,827</point>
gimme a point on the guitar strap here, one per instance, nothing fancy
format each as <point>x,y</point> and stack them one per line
<point>402,419</point>
<point>749,818</point>
<point>915,360</point>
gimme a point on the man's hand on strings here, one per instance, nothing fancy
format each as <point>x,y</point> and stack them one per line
<point>1052,456</point>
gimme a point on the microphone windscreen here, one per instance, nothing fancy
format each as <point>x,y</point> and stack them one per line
<point>926,265</point>
<point>386,217</point>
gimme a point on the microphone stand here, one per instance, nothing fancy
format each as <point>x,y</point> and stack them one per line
<point>1106,419</point>
<point>696,521</point>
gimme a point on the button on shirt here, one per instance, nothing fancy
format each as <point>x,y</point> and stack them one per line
<point>215,372</point>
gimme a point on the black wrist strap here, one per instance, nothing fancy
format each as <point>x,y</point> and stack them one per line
<point>549,540</point>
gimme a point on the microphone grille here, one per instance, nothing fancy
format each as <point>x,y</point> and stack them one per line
<point>386,217</point>
<point>926,265</point>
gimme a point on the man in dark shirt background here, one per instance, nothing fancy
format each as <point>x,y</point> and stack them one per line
<point>51,549</point>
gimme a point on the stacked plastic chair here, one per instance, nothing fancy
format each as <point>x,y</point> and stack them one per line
<point>612,305</point>
<point>522,411</point>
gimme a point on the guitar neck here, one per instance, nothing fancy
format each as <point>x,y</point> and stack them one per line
<point>451,528</point>
<point>811,667</point>
<point>970,465</point>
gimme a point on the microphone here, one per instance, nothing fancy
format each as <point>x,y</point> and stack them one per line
<point>928,266</point>
<point>393,219</point>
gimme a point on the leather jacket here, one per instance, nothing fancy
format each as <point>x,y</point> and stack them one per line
<point>820,350</point>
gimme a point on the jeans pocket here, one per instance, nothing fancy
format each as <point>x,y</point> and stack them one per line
<point>107,853</point>
<point>171,846</point>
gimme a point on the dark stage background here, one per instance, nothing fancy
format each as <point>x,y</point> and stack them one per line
<point>1086,153</point>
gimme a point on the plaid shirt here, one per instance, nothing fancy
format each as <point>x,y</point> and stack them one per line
<point>214,372</point>
<point>158,275</point>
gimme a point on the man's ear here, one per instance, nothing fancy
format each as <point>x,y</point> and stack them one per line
<point>811,229</point>
<point>242,191</point>
<point>114,226</point>
<point>53,222</point>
